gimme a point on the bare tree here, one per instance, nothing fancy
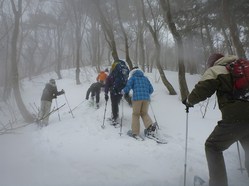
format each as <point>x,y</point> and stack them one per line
<point>154,32</point>
<point>60,23</point>
<point>231,24</point>
<point>4,52</point>
<point>127,55</point>
<point>93,42</point>
<point>140,36</point>
<point>178,39</point>
<point>78,20</point>
<point>108,31</point>
<point>15,76</point>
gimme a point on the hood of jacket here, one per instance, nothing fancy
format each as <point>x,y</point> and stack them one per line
<point>225,60</point>
<point>136,72</point>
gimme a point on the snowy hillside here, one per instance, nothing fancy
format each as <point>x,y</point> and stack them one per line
<point>78,152</point>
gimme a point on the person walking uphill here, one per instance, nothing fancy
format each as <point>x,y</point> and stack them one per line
<point>234,125</point>
<point>94,89</point>
<point>115,82</point>
<point>49,93</point>
<point>142,89</point>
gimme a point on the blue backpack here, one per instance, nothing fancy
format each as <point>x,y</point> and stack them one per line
<point>120,73</point>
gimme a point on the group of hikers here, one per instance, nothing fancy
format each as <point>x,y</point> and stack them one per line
<point>233,126</point>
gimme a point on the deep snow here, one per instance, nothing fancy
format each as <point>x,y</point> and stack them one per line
<point>78,152</point>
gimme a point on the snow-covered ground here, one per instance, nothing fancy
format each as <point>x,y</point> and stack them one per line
<point>78,152</point>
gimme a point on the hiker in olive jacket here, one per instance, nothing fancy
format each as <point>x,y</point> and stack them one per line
<point>49,93</point>
<point>234,125</point>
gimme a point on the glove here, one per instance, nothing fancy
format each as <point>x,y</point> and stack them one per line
<point>54,96</point>
<point>185,102</point>
<point>106,97</point>
<point>62,91</point>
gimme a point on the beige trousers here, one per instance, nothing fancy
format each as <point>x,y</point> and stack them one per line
<point>140,108</point>
<point>44,111</point>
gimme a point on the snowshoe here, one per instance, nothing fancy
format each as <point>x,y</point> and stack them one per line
<point>151,133</point>
<point>137,137</point>
<point>151,130</point>
<point>115,124</point>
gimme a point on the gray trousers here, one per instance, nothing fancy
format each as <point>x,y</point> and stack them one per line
<point>222,137</point>
<point>44,111</point>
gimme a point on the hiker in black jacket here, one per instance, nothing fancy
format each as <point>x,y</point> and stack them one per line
<point>49,93</point>
<point>94,89</point>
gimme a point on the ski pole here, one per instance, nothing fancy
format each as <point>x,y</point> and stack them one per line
<point>37,107</point>
<point>77,105</point>
<point>68,105</point>
<point>121,122</point>
<point>186,145</point>
<point>241,168</point>
<point>103,125</point>
<point>35,111</point>
<point>154,115</point>
<point>58,109</point>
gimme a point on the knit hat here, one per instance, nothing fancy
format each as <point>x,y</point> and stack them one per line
<point>213,58</point>
<point>52,82</point>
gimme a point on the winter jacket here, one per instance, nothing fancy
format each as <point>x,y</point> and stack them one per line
<point>49,92</point>
<point>94,88</point>
<point>117,78</point>
<point>141,86</point>
<point>101,76</point>
<point>218,79</point>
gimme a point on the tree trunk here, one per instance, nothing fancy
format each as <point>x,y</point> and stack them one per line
<point>178,39</point>
<point>157,53</point>
<point>140,38</point>
<point>127,55</point>
<point>209,37</point>
<point>231,24</point>
<point>15,77</point>
<point>59,52</point>
<point>108,31</point>
<point>78,44</point>
<point>227,41</point>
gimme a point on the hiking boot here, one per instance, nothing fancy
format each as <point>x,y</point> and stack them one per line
<point>114,122</point>
<point>151,130</point>
<point>97,105</point>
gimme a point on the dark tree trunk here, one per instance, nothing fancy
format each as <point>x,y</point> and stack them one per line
<point>108,31</point>
<point>157,53</point>
<point>15,77</point>
<point>231,24</point>
<point>127,55</point>
<point>178,39</point>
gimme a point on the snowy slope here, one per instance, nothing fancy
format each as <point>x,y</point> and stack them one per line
<point>78,152</point>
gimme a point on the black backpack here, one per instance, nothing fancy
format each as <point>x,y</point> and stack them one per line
<point>120,72</point>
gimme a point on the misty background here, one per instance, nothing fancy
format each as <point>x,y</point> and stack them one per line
<point>42,36</point>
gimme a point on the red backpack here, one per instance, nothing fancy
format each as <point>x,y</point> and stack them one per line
<point>239,70</point>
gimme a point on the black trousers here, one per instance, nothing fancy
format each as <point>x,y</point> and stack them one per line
<point>222,137</point>
<point>93,94</point>
<point>115,100</point>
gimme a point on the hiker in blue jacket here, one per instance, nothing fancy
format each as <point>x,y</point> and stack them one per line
<point>142,89</point>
